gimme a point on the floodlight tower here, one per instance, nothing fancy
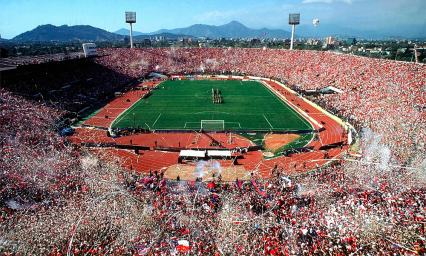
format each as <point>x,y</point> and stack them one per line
<point>131,18</point>
<point>293,19</point>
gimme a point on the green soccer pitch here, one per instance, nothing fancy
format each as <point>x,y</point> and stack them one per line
<point>182,105</point>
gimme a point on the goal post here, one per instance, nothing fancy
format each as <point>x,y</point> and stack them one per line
<point>213,125</point>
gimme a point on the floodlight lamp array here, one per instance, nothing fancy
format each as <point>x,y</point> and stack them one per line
<point>130,17</point>
<point>294,18</point>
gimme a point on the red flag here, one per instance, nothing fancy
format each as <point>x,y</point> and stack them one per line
<point>211,185</point>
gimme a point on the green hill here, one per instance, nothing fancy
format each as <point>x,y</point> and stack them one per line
<point>66,33</point>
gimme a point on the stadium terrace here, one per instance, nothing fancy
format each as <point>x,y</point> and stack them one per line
<point>102,191</point>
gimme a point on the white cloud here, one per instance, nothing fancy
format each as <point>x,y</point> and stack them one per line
<point>220,16</point>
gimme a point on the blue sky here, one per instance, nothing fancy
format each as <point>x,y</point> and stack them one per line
<point>18,16</point>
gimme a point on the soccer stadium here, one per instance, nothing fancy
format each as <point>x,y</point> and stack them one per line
<point>213,151</point>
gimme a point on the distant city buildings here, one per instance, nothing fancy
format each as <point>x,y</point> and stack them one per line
<point>330,40</point>
<point>146,42</point>
<point>255,42</point>
<point>389,48</point>
<point>159,38</point>
<point>351,41</point>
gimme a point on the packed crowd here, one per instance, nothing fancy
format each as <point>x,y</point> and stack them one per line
<point>384,95</point>
<point>57,200</point>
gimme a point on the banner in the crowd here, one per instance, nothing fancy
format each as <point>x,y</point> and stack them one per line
<point>183,246</point>
<point>253,182</point>
<point>239,184</point>
<point>142,249</point>
<point>214,197</point>
<point>162,183</point>
<point>151,179</point>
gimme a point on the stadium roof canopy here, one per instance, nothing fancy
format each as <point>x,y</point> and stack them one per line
<point>192,153</point>
<point>156,75</point>
<point>219,153</point>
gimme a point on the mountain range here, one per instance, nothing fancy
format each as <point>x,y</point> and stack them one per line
<point>233,29</point>
<point>140,36</point>
<point>66,33</point>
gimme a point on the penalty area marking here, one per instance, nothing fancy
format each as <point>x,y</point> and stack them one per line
<point>156,121</point>
<point>184,127</point>
<point>268,122</point>
<point>199,126</point>
<point>211,112</point>
<point>239,125</point>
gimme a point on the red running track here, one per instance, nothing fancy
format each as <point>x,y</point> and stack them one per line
<point>118,105</point>
<point>252,161</point>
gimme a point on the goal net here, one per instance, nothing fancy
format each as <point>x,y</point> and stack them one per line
<point>213,124</point>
